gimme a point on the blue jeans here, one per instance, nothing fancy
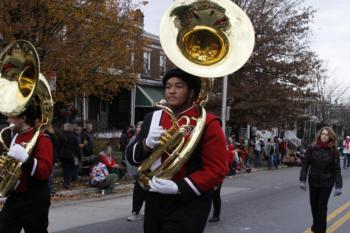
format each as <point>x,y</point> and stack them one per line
<point>272,161</point>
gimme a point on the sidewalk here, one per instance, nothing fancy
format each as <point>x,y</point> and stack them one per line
<point>82,191</point>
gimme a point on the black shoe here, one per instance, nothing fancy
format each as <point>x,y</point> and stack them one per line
<point>214,219</point>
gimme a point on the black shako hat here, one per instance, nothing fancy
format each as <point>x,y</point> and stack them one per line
<point>33,112</point>
<point>192,81</point>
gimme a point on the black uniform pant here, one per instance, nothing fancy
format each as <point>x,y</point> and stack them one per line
<point>217,202</point>
<point>319,197</point>
<point>170,214</point>
<point>27,210</point>
<point>138,197</point>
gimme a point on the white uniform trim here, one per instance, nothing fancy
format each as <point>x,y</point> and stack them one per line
<point>34,167</point>
<point>189,182</point>
<point>156,122</point>
<point>133,152</point>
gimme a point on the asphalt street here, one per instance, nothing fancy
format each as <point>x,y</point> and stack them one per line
<point>261,202</point>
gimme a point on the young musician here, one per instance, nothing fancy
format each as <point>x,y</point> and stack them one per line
<point>27,206</point>
<point>181,204</point>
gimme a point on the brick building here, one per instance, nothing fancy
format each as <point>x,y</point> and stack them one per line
<point>129,106</point>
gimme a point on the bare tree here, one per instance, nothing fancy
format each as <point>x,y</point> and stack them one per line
<point>331,98</point>
<point>271,88</point>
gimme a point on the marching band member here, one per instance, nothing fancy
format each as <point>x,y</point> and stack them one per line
<point>28,205</point>
<point>183,203</point>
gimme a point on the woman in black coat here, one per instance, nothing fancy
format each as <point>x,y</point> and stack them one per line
<point>321,165</point>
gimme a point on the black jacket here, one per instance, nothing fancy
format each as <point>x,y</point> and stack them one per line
<point>68,147</point>
<point>322,165</point>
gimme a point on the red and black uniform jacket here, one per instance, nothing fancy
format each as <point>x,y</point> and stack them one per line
<point>37,168</point>
<point>206,167</point>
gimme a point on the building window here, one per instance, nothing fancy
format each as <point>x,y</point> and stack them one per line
<point>162,65</point>
<point>146,63</point>
<point>131,61</point>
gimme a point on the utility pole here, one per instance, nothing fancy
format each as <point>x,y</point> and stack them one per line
<point>223,104</point>
<point>132,107</point>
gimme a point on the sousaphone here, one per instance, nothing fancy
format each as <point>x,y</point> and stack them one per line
<point>21,85</point>
<point>206,38</point>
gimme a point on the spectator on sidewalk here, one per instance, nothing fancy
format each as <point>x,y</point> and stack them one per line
<point>321,166</point>
<point>100,177</point>
<point>270,152</point>
<point>346,152</point>
<point>87,148</point>
<point>108,160</point>
<point>68,154</point>
<point>78,131</point>
<point>284,150</point>
<point>87,139</point>
<point>230,157</point>
<point>139,194</point>
<point>263,154</point>
<point>277,154</point>
<point>257,151</point>
<point>124,141</point>
<point>243,154</point>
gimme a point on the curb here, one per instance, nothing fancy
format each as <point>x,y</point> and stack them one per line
<point>261,169</point>
<point>87,190</point>
<point>55,204</point>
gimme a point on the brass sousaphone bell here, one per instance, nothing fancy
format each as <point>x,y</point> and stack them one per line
<point>206,38</point>
<point>21,84</point>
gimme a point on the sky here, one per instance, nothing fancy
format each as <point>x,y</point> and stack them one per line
<point>330,32</point>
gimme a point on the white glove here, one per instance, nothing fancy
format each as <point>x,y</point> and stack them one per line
<point>163,186</point>
<point>302,185</point>
<point>153,137</point>
<point>18,152</point>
